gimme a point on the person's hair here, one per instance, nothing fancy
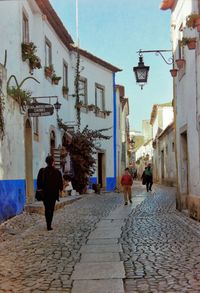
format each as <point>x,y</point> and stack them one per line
<point>126,169</point>
<point>49,160</point>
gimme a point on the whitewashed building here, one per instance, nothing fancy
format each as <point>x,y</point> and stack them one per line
<point>122,132</point>
<point>184,25</point>
<point>28,140</point>
<point>164,157</point>
<point>161,116</point>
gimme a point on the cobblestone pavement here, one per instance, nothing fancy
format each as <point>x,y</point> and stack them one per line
<point>35,260</point>
<point>161,247</point>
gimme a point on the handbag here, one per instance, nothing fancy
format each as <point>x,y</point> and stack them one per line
<point>39,194</point>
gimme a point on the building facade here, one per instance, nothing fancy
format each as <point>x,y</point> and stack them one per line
<point>184,15</point>
<point>28,139</point>
<point>161,116</point>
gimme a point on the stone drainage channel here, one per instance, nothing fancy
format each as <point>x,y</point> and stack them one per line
<point>101,268</point>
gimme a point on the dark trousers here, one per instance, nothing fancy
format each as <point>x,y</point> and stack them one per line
<point>149,182</point>
<point>49,209</point>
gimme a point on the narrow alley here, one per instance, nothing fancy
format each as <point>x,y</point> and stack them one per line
<point>150,247</point>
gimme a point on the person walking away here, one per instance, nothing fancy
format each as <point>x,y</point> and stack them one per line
<point>126,182</point>
<point>149,177</point>
<point>50,180</point>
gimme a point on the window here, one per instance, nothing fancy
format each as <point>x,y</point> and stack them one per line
<point>25,28</point>
<point>65,79</point>
<point>99,97</point>
<point>48,53</point>
<point>36,125</point>
<point>83,90</point>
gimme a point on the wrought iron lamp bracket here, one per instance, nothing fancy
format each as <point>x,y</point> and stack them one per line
<point>169,61</point>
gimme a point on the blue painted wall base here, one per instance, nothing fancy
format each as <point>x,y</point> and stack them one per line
<point>12,198</point>
<point>110,183</point>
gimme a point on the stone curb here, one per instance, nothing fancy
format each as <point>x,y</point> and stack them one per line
<point>38,207</point>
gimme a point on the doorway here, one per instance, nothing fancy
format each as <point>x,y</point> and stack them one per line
<point>162,165</point>
<point>52,142</point>
<point>184,162</point>
<point>29,162</point>
<point>101,169</point>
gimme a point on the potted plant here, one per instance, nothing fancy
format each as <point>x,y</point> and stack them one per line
<point>193,20</point>
<point>29,53</point>
<point>65,90</point>
<point>190,42</point>
<point>55,79</point>
<point>79,105</point>
<point>180,63</point>
<point>19,95</point>
<point>28,49</point>
<point>49,70</point>
<point>35,62</point>
<point>108,112</point>
<point>91,107</point>
<point>97,109</point>
<point>173,72</point>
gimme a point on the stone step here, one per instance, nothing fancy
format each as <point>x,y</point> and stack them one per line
<point>38,207</point>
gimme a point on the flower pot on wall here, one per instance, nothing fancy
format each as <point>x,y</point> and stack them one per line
<point>48,72</point>
<point>192,44</point>
<point>91,107</point>
<point>193,21</point>
<point>173,72</point>
<point>180,63</point>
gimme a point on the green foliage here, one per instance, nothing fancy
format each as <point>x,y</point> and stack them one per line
<point>185,41</point>
<point>61,124</point>
<point>29,53</point>
<point>21,96</point>
<point>190,20</point>
<point>77,94</point>
<point>2,123</point>
<point>55,77</point>
<point>82,149</point>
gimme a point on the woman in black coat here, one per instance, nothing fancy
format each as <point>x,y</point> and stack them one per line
<point>49,179</point>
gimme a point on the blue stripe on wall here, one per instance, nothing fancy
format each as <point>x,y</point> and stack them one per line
<point>110,183</point>
<point>12,198</point>
<point>114,131</point>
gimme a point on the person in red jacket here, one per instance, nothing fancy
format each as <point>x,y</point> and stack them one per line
<point>126,182</point>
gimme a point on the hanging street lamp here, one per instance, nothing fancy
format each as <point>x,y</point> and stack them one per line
<point>57,105</point>
<point>141,71</point>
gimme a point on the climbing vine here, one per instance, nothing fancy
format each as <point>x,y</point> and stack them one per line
<point>76,86</point>
<point>2,123</point>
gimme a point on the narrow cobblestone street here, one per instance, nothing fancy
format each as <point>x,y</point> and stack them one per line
<point>160,246</point>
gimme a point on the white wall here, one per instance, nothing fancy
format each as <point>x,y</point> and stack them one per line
<point>187,93</point>
<point>11,23</point>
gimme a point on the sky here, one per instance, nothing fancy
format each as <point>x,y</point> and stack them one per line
<point>115,31</point>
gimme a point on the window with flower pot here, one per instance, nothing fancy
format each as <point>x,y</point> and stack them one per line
<point>48,53</point>
<point>65,88</point>
<point>83,93</point>
<point>25,27</point>
<point>48,70</point>
<point>99,99</point>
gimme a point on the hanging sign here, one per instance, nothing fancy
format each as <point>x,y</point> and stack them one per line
<point>40,109</point>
